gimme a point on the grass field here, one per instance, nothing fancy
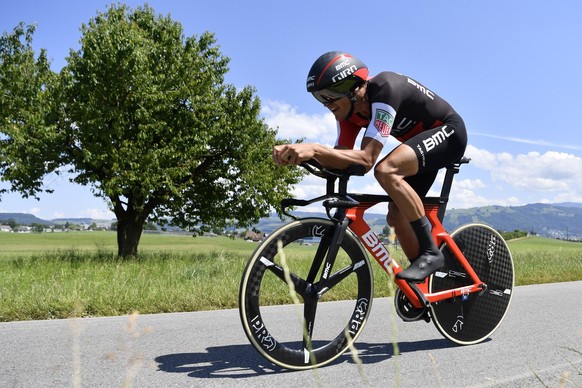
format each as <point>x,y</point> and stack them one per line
<point>59,275</point>
<point>14,245</point>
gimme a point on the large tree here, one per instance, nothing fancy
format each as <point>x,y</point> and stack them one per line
<point>29,140</point>
<point>144,118</point>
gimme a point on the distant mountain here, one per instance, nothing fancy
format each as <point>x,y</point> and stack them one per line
<point>563,220</point>
<point>29,219</point>
<point>557,221</point>
<point>549,220</point>
<point>568,204</point>
<point>269,224</point>
<point>22,219</point>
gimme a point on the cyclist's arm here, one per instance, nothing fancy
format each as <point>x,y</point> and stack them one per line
<point>329,157</point>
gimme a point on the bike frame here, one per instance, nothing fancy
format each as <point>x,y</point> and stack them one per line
<point>351,207</point>
<point>417,294</point>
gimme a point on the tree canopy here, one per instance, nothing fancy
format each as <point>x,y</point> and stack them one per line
<point>28,132</point>
<point>142,115</point>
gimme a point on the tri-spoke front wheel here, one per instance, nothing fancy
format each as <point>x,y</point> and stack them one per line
<point>291,268</point>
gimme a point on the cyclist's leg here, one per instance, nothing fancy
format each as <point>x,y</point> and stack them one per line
<point>391,173</point>
<point>403,231</point>
<point>420,183</point>
<point>425,153</point>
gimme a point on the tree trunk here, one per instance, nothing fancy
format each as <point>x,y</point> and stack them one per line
<point>129,230</point>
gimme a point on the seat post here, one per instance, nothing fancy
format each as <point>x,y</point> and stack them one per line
<point>452,170</point>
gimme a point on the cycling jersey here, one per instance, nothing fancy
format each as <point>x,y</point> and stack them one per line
<point>413,114</point>
<point>400,106</point>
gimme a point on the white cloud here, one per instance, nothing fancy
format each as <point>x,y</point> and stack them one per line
<point>33,210</point>
<point>98,214</point>
<point>310,187</point>
<point>470,184</point>
<point>319,128</point>
<point>557,176</point>
<point>551,170</point>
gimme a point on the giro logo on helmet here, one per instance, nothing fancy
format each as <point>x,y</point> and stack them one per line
<point>332,71</point>
<point>344,73</point>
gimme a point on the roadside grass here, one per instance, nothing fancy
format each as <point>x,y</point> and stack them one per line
<point>46,276</point>
<point>541,260</point>
<point>59,284</point>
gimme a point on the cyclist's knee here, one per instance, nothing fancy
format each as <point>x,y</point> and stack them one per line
<point>385,170</point>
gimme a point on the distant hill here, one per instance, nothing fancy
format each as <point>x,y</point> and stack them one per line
<point>563,220</point>
<point>549,220</point>
<point>557,221</point>
<point>568,204</point>
<point>29,219</point>
<point>22,219</point>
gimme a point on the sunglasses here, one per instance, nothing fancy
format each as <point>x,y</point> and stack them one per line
<point>325,97</point>
<point>336,91</point>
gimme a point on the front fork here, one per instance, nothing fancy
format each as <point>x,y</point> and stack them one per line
<point>324,261</point>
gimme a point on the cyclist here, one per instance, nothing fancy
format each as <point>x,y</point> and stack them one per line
<point>431,133</point>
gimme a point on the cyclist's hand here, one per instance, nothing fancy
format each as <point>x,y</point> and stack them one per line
<point>287,154</point>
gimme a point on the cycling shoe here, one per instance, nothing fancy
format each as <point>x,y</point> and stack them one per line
<point>422,267</point>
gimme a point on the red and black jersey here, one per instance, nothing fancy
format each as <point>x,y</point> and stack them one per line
<point>400,106</point>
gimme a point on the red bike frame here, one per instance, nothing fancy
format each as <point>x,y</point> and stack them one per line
<point>390,265</point>
<point>353,207</point>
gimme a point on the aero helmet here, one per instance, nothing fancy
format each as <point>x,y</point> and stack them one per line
<point>335,75</point>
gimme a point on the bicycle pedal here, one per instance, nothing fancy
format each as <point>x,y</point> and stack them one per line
<point>419,294</point>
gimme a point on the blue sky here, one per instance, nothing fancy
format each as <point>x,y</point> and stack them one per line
<point>512,69</point>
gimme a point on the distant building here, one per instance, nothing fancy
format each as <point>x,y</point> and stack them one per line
<point>5,228</point>
<point>23,229</point>
<point>253,236</point>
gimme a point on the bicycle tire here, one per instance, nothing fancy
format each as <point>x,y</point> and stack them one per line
<point>472,318</point>
<point>329,339</point>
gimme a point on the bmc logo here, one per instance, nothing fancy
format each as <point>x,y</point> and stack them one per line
<point>377,249</point>
<point>437,138</point>
<point>422,89</point>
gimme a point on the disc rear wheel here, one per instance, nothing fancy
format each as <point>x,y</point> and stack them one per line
<point>472,318</point>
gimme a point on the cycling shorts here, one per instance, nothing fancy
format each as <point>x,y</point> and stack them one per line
<point>436,148</point>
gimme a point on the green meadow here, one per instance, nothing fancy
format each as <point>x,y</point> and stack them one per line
<point>61,275</point>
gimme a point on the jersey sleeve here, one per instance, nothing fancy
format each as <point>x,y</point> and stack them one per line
<point>347,134</point>
<point>382,121</point>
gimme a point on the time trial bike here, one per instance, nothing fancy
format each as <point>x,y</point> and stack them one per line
<point>466,299</point>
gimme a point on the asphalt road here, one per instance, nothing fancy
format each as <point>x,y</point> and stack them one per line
<point>538,345</point>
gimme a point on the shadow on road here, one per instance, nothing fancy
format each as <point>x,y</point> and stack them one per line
<point>243,361</point>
